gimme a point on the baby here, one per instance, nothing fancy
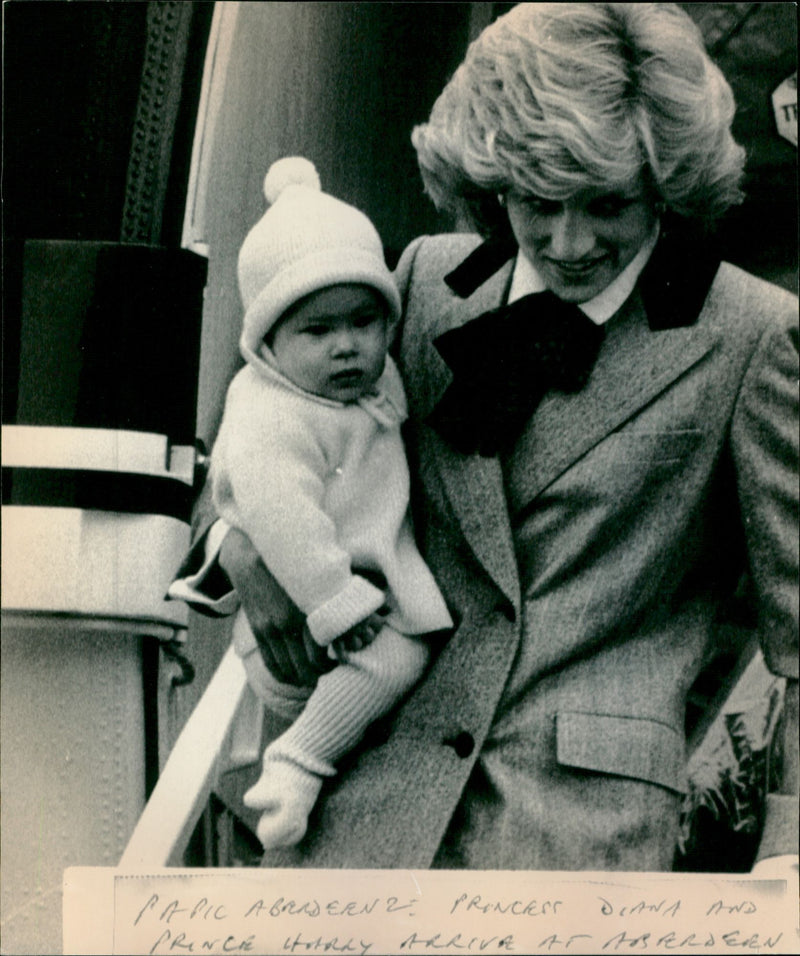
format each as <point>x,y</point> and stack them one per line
<point>309,463</point>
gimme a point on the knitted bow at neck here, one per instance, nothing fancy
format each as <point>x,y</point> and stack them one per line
<point>503,362</point>
<point>386,412</point>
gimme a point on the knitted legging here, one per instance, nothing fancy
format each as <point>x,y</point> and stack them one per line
<point>348,699</point>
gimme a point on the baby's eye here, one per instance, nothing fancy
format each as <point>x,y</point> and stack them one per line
<point>365,320</point>
<point>316,330</point>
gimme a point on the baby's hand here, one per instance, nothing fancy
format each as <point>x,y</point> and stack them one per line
<point>359,636</point>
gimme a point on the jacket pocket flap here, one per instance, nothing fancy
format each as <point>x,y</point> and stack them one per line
<point>655,447</point>
<point>624,746</point>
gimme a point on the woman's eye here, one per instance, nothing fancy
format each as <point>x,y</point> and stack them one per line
<point>608,207</point>
<point>542,207</point>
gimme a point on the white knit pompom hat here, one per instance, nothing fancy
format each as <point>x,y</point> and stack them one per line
<point>305,241</point>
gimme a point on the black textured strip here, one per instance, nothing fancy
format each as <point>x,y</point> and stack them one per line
<point>480,265</point>
<point>97,490</point>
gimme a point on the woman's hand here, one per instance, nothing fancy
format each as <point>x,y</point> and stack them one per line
<point>289,651</point>
<point>359,636</point>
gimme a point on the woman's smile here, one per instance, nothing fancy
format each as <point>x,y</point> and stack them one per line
<point>581,269</point>
<point>581,244</point>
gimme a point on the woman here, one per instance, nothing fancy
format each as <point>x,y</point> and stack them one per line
<point>592,481</point>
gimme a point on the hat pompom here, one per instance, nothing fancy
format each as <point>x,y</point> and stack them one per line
<point>290,171</point>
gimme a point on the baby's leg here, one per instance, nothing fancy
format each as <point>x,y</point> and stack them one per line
<point>344,703</point>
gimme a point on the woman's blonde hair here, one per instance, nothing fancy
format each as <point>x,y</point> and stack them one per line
<point>557,97</point>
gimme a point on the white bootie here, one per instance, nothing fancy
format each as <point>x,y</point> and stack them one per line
<point>286,794</point>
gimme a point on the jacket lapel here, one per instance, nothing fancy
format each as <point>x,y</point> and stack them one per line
<point>635,365</point>
<point>473,484</point>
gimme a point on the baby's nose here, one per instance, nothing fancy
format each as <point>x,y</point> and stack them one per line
<point>345,341</point>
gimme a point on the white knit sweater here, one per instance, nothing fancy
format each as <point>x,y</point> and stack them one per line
<point>322,488</point>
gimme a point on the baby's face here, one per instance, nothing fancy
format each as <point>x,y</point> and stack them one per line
<point>333,342</point>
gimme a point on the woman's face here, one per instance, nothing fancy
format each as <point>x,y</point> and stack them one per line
<point>581,244</point>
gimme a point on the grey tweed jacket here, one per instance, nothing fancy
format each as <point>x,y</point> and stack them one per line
<point>636,503</point>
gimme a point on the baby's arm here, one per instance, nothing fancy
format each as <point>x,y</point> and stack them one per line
<point>273,485</point>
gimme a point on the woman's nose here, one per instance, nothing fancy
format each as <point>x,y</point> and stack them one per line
<point>571,236</point>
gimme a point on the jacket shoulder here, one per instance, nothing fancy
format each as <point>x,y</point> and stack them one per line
<point>429,258</point>
<point>741,299</point>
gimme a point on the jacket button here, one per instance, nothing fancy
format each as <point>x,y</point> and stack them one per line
<point>463,744</point>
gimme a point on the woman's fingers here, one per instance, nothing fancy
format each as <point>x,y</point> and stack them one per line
<point>292,657</point>
<point>309,658</point>
<point>289,651</point>
<point>277,658</point>
<point>359,636</point>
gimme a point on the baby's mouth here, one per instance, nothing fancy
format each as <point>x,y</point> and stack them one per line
<point>349,376</point>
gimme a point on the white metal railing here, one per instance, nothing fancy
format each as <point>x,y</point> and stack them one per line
<point>223,732</point>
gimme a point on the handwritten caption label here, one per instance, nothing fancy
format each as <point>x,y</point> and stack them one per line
<point>399,912</point>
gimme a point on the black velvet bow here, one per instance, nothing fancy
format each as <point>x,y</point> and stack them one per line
<point>503,362</point>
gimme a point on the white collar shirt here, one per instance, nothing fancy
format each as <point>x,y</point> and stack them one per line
<point>526,280</point>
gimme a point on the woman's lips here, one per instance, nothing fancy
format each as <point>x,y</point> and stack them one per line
<point>577,270</point>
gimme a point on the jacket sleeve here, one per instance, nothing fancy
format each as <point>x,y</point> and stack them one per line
<point>273,489</point>
<point>402,276</point>
<point>764,437</point>
<point>200,580</point>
